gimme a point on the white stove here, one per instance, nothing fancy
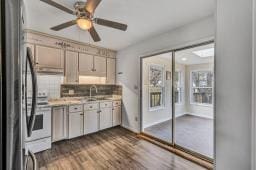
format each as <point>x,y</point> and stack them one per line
<point>41,134</point>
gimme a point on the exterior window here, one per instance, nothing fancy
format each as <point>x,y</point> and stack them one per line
<point>178,87</point>
<point>202,87</point>
<point>156,87</point>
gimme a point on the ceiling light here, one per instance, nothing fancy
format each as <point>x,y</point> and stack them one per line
<point>84,24</point>
<point>184,59</point>
<point>205,52</point>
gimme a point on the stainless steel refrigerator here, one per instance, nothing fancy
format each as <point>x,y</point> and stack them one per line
<point>15,65</point>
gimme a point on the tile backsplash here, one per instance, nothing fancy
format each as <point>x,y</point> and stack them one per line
<point>84,90</point>
<point>51,84</point>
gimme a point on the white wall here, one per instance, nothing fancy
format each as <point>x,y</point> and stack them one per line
<point>128,62</point>
<point>180,108</point>
<point>233,84</point>
<point>151,117</point>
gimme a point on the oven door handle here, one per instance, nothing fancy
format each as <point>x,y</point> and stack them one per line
<point>31,118</point>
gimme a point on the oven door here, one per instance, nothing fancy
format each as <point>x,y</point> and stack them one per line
<point>42,125</point>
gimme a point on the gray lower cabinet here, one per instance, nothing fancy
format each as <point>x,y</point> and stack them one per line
<point>105,118</point>
<point>116,115</point>
<point>59,123</point>
<point>76,124</point>
<point>91,121</point>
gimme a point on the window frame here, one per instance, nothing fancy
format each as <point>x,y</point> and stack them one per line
<point>181,101</point>
<point>161,88</point>
<point>191,87</point>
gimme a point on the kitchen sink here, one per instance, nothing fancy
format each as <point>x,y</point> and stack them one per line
<point>97,99</point>
<point>91,99</point>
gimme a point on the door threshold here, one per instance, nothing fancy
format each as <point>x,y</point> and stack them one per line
<point>167,146</point>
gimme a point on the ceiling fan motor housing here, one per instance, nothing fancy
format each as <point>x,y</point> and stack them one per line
<point>81,11</point>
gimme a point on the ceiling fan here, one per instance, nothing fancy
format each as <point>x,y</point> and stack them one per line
<point>84,12</point>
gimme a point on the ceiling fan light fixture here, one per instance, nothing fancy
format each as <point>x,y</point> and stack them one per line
<point>84,24</point>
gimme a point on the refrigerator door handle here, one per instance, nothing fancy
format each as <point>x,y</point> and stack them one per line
<point>31,118</point>
<point>33,157</point>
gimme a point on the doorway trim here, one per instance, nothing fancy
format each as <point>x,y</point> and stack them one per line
<point>253,114</point>
<point>172,143</point>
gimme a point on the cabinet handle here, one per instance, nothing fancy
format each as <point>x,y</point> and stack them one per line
<point>81,114</point>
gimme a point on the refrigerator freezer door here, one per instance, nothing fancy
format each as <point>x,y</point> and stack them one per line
<point>11,88</point>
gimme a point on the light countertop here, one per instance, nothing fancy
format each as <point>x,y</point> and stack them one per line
<point>81,100</point>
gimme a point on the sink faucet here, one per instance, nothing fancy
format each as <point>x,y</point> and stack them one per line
<point>96,90</point>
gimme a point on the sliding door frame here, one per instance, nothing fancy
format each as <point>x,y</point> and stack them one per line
<point>172,143</point>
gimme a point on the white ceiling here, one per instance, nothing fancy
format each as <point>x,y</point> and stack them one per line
<point>145,18</point>
<point>191,58</point>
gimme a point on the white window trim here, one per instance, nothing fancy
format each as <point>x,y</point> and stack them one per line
<point>190,89</point>
<point>163,88</point>
<point>181,102</point>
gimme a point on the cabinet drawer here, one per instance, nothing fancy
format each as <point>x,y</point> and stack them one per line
<point>105,104</point>
<point>117,103</point>
<point>91,106</point>
<point>76,108</point>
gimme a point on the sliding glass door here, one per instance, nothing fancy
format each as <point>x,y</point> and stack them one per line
<point>194,77</point>
<point>177,95</point>
<point>157,96</point>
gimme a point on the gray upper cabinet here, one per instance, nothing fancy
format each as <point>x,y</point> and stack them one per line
<point>100,66</point>
<point>85,64</point>
<point>111,71</point>
<point>48,59</point>
<point>92,65</point>
<point>71,68</point>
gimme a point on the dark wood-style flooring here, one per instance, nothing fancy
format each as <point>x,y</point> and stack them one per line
<point>115,148</point>
<point>192,132</point>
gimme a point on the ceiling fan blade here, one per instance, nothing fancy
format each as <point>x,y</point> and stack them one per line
<point>111,24</point>
<point>64,25</point>
<point>95,36</point>
<point>91,5</point>
<point>59,6</point>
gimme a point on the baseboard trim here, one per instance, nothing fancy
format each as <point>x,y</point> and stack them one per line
<point>198,115</point>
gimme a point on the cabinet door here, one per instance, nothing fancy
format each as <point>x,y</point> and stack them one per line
<point>111,71</point>
<point>91,121</point>
<point>117,116</point>
<point>71,71</point>
<point>76,121</point>
<point>105,118</point>
<point>59,123</point>
<point>49,57</point>
<point>85,64</point>
<point>100,66</point>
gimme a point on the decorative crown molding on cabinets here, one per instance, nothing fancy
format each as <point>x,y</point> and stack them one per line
<point>38,38</point>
